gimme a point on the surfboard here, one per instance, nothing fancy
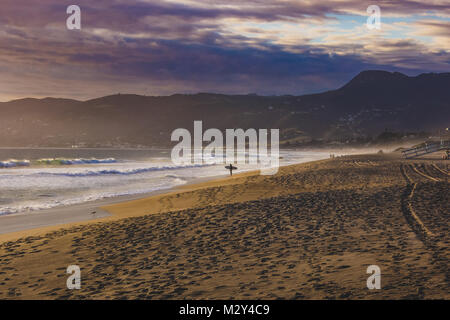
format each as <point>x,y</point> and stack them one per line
<point>231,167</point>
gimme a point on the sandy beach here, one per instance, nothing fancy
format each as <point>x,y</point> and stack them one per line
<point>17,225</point>
<point>308,232</point>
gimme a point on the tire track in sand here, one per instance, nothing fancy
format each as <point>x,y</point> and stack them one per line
<point>440,170</point>
<point>419,228</point>
<point>414,167</point>
<point>410,214</point>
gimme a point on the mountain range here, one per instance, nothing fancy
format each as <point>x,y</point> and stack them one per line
<point>372,102</point>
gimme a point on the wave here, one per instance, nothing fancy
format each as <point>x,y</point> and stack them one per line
<point>54,161</point>
<point>63,161</point>
<point>101,172</point>
<point>14,163</point>
<point>177,179</point>
<point>91,196</point>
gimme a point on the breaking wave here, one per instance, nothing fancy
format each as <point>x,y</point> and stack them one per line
<point>54,161</point>
<point>62,161</point>
<point>14,163</point>
<point>118,171</point>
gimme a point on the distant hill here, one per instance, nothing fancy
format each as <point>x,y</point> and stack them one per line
<point>370,103</point>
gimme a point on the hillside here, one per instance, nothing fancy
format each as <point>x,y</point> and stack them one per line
<point>370,103</point>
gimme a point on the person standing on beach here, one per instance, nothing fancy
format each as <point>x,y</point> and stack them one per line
<point>231,168</point>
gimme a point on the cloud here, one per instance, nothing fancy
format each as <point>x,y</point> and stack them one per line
<point>162,47</point>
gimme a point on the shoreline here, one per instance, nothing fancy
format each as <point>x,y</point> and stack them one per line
<point>17,225</point>
<point>23,224</point>
<point>31,223</point>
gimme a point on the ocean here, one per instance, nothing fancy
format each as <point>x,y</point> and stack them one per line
<point>34,179</point>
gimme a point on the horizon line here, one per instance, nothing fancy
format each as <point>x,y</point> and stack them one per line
<point>218,93</point>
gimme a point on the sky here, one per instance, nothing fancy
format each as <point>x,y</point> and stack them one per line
<point>162,47</point>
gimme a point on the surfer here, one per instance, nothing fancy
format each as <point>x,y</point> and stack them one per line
<point>231,168</point>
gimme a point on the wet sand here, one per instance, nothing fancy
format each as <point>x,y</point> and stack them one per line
<point>309,232</point>
<point>14,226</point>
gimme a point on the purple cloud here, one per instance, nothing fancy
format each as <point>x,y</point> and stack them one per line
<point>162,47</point>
